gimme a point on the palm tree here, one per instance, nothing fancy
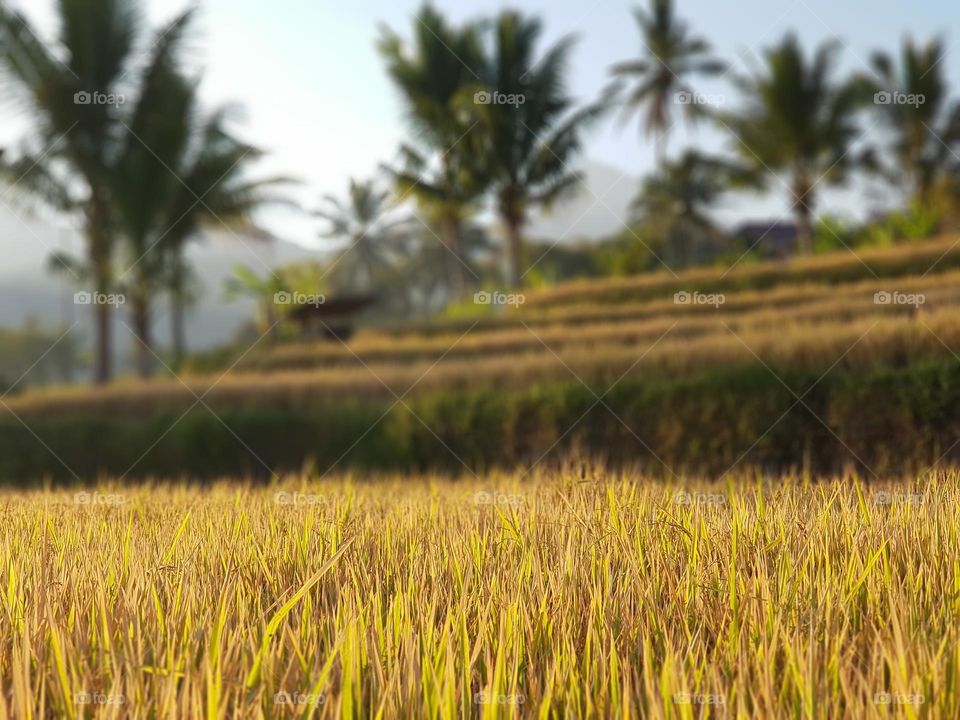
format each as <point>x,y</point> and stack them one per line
<point>74,90</point>
<point>799,122</point>
<point>530,129</point>
<point>263,291</point>
<point>913,99</point>
<point>428,264</point>
<point>182,172</point>
<point>675,203</point>
<point>658,78</point>
<point>146,185</point>
<point>439,168</point>
<point>215,192</point>
<point>374,240</point>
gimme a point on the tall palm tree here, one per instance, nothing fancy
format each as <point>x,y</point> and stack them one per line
<point>913,99</point>
<point>73,153</point>
<point>670,55</point>
<point>532,132</point>
<point>146,185</point>
<point>799,121</point>
<point>215,192</point>
<point>439,167</point>
<point>675,204</point>
<point>374,240</point>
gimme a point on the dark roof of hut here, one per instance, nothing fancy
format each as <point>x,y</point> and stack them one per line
<point>339,306</point>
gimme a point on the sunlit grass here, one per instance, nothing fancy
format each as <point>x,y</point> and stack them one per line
<point>805,322</point>
<point>843,266</point>
<point>805,306</point>
<point>854,344</point>
<point>577,593</point>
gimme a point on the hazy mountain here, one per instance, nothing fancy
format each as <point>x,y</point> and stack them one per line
<point>598,207</point>
<point>28,288</point>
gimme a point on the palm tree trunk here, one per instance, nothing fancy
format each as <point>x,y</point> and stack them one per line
<point>98,236</point>
<point>178,333</point>
<point>924,193</point>
<point>803,193</point>
<point>514,251</point>
<point>102,361</point>
<point>178,306</point>
<point>141,327</point>
<point>450,234</point>
<point>271,320</point>
<point>804,230</point>
<point>660,147</point>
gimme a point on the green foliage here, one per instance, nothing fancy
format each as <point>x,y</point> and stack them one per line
<point>308,278</point>
<point>700,424</point>
<point>918,222</point>
<point>833,233</point>
<point>625,254</point>
<point>34,355</point>
<point>674,206</point>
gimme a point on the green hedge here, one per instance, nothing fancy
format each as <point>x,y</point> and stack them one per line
<point>890,420</point>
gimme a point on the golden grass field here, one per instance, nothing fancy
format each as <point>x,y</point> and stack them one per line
<point>566,593</point>
<point>937,255</point>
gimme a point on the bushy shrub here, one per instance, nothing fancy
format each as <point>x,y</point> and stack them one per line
<point>883,421</point>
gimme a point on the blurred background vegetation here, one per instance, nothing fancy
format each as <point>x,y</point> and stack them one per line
<point>383,337</point>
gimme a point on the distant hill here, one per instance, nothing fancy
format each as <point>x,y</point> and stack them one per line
<point>598,207</point>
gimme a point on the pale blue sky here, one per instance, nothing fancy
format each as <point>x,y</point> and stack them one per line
<point>317,96</point>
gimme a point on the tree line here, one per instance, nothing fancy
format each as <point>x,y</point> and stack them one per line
<point>493,127</point>
<point>121,140</point>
